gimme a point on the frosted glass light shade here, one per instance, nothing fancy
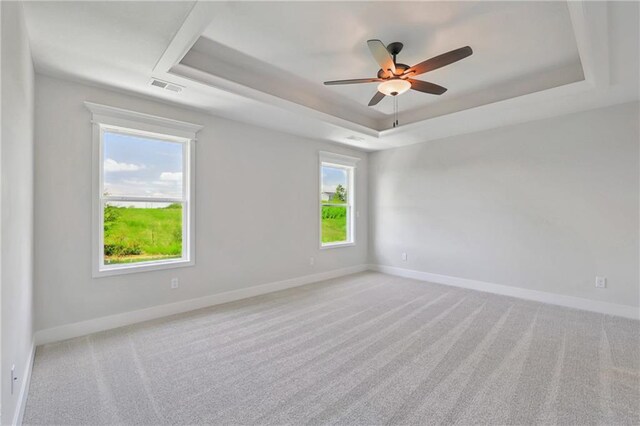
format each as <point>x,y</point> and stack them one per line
<point>394,87</point>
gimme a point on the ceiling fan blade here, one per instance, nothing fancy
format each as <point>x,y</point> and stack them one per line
<point>426,87</point>
<point>376,98</point>
<point>440,61</point>
<point>382,55</point>
<point>353,81</point>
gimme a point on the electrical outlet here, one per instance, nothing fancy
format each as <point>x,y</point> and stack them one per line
<point>312,261</point>
<point>601,282</point>
<point>404,257</point>
<point>175,283</point>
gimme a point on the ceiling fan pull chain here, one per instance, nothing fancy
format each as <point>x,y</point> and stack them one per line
<point>395,111</point>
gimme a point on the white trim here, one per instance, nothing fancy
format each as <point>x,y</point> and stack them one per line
<point>120,117</point>
<point>348,163</point>
<point>336,245</point>
<point>591,32</point>
<point>133,268</point>
<point>24,389</point>
<point>338,159</point>
<point>82,328</point>
<point>119,320</point>
<point>625,311</point>
<point>198,19</point>
<point>107,118</point>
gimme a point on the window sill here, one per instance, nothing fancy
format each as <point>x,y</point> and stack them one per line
<point>148,267</point>
<point>336,245</point>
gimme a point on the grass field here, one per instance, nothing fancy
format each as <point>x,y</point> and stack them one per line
<point>334,230</point>
<point>334,224</point>
<point>138,234</point>
<point>135,234</point>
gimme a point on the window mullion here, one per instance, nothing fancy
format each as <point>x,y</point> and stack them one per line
<point>142,199</point>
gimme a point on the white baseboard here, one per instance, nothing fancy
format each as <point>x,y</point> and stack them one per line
<point>18,414</point>
<point>113,321</point>
<point>82,328</point>
<point>626,311</point>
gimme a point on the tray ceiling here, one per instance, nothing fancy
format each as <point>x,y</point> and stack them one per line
<point>519,48</point>
<point>264,62</point>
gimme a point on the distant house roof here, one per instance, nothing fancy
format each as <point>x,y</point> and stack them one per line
<point>326,195</point>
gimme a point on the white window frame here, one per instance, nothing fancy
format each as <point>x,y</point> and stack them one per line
<point>117,120</point>
<point>347,163</point>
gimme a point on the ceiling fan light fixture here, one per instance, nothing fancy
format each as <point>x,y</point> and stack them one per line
<point>394,87</point>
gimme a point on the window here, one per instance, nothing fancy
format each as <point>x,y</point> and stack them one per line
<point>337,177</point>
<point>143,192</point>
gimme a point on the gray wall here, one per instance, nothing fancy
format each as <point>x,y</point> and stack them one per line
<point>16,203</point>
<point>256,210</point>
<point>546,205</point>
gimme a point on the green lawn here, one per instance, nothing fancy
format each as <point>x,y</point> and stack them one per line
<point>334,230</point>
<point>334,224</point>
<point>142,234</point>
<point>135,234</point>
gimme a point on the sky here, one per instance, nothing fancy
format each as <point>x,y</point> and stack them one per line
<point>331,177</point>
<point>142,167</point>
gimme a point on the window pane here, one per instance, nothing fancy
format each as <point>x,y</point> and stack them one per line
<point>334,185</point>
<point>142,232</point>
<point>334,224</point>
<point>141,167</point>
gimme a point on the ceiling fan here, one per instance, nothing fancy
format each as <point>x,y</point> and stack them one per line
<point>395,78</point>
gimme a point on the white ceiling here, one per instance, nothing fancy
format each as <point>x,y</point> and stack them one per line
<point>116,44</point>
<point>319,41</point>
<point>264,62</point>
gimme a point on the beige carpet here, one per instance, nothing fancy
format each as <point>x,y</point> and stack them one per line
<point>363,349</point>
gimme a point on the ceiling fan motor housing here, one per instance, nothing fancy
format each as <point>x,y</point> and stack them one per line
<point>400,69</point>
